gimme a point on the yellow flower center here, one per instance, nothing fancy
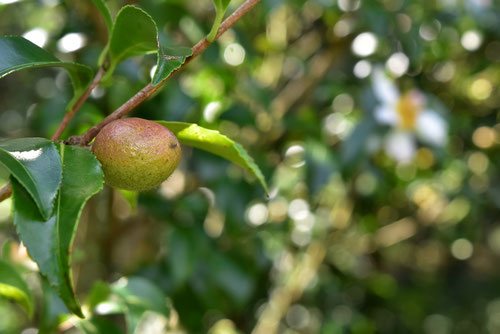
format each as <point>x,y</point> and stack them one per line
<point>408,107</point>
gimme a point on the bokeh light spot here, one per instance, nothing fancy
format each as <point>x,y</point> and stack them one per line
<point>480,89</point>
<point>484,137</point>
<point>71,42</point>
<point>362,69</point>
<point>343,28</point>
<point>425,158</point>
<point>257,214</point>
<point>478,163</point>
<point>294,156</point>
<point>494,240</point>
<point>364,44</point>
<point>37,36</point>
<point>298,209</point>
<point>349,5</point>
<point>398,64</point>
<point>212,111</point>
<point>462,249</point>
<point>337,124</point>
<point>152,71</point>
<point>234,54</point>
<point>444,72</point>
<point>366,183</point>
<point>437,323</point>
<point>471,40</point>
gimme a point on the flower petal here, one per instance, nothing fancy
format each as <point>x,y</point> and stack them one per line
<point>432,128</point>
<point>386,114</point>
<point>384,89</point>
<point>400,146</point>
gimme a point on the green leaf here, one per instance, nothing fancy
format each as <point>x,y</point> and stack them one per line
<point>221,4</point>
<point>214,142</point>
<point>49,241</point>
<point>131,197</point>
<point>97,325</point>
<point>12,286</point>
<point>35,164</point>
<point>103,8</point>
<point>54,312</point>
<point>138,296</point>
<point>220,10</point>
<point>17,53</point>
<point>133,34</point>
<point>169,59</point>
<point>99,293</point>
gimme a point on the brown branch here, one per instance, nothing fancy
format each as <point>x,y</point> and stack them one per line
<point>139,97</point>
<point>150,89</point>
<point>78,104</point>
<point>6,190</point>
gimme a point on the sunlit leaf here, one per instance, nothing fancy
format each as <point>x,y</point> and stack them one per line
<point>169,59</point>
<point>216,143</point>
<point>49,241</point>
<point>35,164</point>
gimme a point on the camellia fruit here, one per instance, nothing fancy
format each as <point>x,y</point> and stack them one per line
<point>136,154</point>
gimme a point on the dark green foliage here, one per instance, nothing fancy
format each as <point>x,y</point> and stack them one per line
<point>380,152</point>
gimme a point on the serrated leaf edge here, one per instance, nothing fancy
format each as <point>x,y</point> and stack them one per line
<point>67,274</point>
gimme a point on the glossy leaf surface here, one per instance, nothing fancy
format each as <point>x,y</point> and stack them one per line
<point>17,53</point>
<point>49,241</point>
<point>35,164</point>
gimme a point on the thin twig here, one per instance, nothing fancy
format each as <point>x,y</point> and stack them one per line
<point>150,89</point>
<point>78,104</point>
<point>6,190</point>
<point>140,96</point>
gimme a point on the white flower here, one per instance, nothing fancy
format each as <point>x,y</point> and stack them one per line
<point>409,118</point>
<point>400,146</point>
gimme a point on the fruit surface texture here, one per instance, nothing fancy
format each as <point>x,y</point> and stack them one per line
<point>136,154</point>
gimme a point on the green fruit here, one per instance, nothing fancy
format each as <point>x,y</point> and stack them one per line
<point>136,154</point>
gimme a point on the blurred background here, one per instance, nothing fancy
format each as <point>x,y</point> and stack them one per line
<point>376,124</point>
